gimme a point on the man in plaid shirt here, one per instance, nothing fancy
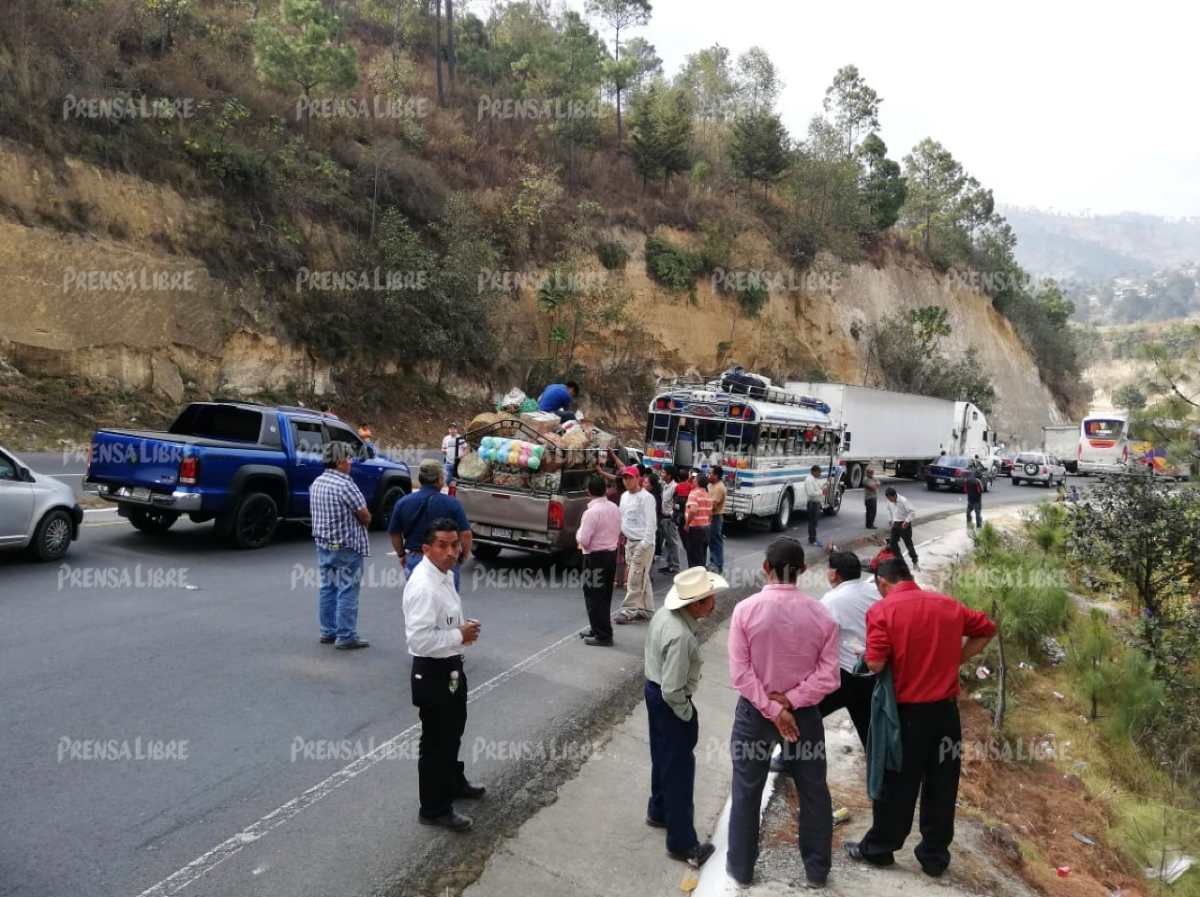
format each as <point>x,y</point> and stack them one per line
<point>339,527</point>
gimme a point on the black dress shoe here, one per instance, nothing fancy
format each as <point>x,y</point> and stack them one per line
<point>587,633</point>
<point>353,645</point>
<point>598,642</point>
<point>854,851</point>
<point>456,822</point>
<point>655,823</point>
<point>328,639</point>
<point>471,792</point>
<point>694,857</point>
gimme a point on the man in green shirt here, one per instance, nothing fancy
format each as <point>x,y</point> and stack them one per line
<point>672,674</point>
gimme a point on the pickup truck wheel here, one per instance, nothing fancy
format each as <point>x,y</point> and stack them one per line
<point>52,537</point>
<point>929,485</point>
<point>152,520</point>
<point>254,521</point>
<point>485,552</point>
<point>784,515</point>
<point>384,515</point>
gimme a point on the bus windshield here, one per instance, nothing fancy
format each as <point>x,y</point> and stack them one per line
<point>1103,428</point>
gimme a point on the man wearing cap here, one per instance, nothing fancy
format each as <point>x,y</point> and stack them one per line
<point>783,660</point>
<point>414,513</point>
<point>920,634</point>
<point>673,662</point>
<point>339,527</point>
<point>639,520</point>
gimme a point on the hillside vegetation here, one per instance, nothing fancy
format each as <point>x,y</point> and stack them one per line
<point>336,145</point>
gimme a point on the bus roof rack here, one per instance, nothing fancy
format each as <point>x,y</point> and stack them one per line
<point>737,381</point>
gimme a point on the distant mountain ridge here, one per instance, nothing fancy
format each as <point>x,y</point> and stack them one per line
<point>1096,248</point>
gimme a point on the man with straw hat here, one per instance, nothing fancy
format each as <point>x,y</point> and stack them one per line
<point>672,674</point>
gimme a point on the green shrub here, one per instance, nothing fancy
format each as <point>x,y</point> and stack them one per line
<point>673,267</point>
<point>753,299</point>
<point>612,255</point>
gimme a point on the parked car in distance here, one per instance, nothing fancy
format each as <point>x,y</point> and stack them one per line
<point>244,465</point>
<point>1038,467</point>
<point>950,472</point>
<point>1005,458</point>
<point>37,512</point>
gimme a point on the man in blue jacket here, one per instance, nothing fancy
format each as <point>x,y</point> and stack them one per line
<point>557,399</point>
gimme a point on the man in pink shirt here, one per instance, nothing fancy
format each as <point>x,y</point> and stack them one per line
<point>783,659</point>
<point>599,531</point>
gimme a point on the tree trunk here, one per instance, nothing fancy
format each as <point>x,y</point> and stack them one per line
<point>254,10</point>
<point>617,56</point>
<point>437,51</point>
<point>451,59</point>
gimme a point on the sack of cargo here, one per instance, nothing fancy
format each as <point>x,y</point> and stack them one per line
<point>545,481</point>
<point>487,419</point>
<point>542,421</point>
<point>511,477</point>
<point>528,406</point>
<point>473,467</point>
<point>575,439</point>
<point>511,401</point>
<point>604,441</point>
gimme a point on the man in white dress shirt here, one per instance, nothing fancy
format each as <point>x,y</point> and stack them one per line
<point>902,515</point>
<point>639,523</point>
<point>437,634</point>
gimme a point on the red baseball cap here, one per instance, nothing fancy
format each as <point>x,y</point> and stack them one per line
<point>631,471</point>
<point>884,555</point>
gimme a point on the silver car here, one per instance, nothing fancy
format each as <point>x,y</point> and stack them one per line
<point>37,513</point>
<point>1038,467</point>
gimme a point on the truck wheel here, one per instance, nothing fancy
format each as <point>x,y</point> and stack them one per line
<point>253,521</point>
<point>784,515</point>
<point>855,475</point>
<point>485,552</point>
<point>386,506</point>
<point>836,506</point>
<point>52,537</point>
<point>152,520</point>
<point>571,560</point>
<point>929,485</point>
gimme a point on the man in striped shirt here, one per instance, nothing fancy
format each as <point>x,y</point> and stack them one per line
<point>697,516</point>
<point>339,527</point>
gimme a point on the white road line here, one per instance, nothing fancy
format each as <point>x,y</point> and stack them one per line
<point>202,865</point>
<point>713,876</point>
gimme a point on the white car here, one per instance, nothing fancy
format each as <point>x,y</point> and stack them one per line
<point>1038,467</point>
<point>37,513</point>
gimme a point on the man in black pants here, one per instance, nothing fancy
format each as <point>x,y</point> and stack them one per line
<point>437,633</point>
<point>921,635</point>
<point>848,603</point>
<point>870,487</point>
<point>902,515</point>
<point>598,535</point>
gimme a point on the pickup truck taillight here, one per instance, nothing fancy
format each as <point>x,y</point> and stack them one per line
<point>554,515</point>
<point>1045,470</point>
<point>189,471</point>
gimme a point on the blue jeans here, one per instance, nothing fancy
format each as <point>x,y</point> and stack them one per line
<point>341,575</point>
<point>449,468</point>
<point>716,543</point>
<point>411,559</point>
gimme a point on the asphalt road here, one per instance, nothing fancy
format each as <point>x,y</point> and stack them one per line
<point>172,725</point>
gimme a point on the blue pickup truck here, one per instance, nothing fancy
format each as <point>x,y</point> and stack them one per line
<point>246,466</point>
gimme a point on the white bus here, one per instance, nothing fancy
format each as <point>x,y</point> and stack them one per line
<point>1103,443</point>
<point>765,439</point>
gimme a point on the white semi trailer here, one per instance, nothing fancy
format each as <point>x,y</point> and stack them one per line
<point>898,430</point>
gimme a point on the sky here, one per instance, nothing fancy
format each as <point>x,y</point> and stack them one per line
<point>1058,104</point>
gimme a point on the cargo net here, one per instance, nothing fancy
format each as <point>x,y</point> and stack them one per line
<point>535,451</point>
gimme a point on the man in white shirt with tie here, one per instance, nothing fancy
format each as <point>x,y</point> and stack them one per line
<point>437,634</point>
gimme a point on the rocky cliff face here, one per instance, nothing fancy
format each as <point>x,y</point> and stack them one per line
<point>92,288</point>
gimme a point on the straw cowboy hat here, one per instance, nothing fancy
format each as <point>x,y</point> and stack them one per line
<point>692,585</point>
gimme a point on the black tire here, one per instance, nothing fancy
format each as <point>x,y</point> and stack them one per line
<point>836,506</point>
<point>854,476</point>
<point>1016,481</point>
<point>253,521</point>
<point>383,514</point>
<point>783,516</point>
<point>485,552</point>
<point>152,520</point>
<point>929,485</point>
<point>52,537</point>
<point>571,560</point>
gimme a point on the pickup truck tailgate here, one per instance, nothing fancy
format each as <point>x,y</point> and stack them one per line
<point>509,509</point>
<point>133,458</point>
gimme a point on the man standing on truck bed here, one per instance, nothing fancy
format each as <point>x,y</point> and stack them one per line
<point>638,523</point>
<point>415,512</point>
<point>339,527</point>
<point>557,398</point>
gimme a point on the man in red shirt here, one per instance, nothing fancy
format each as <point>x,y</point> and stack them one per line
<point>921,635</point>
